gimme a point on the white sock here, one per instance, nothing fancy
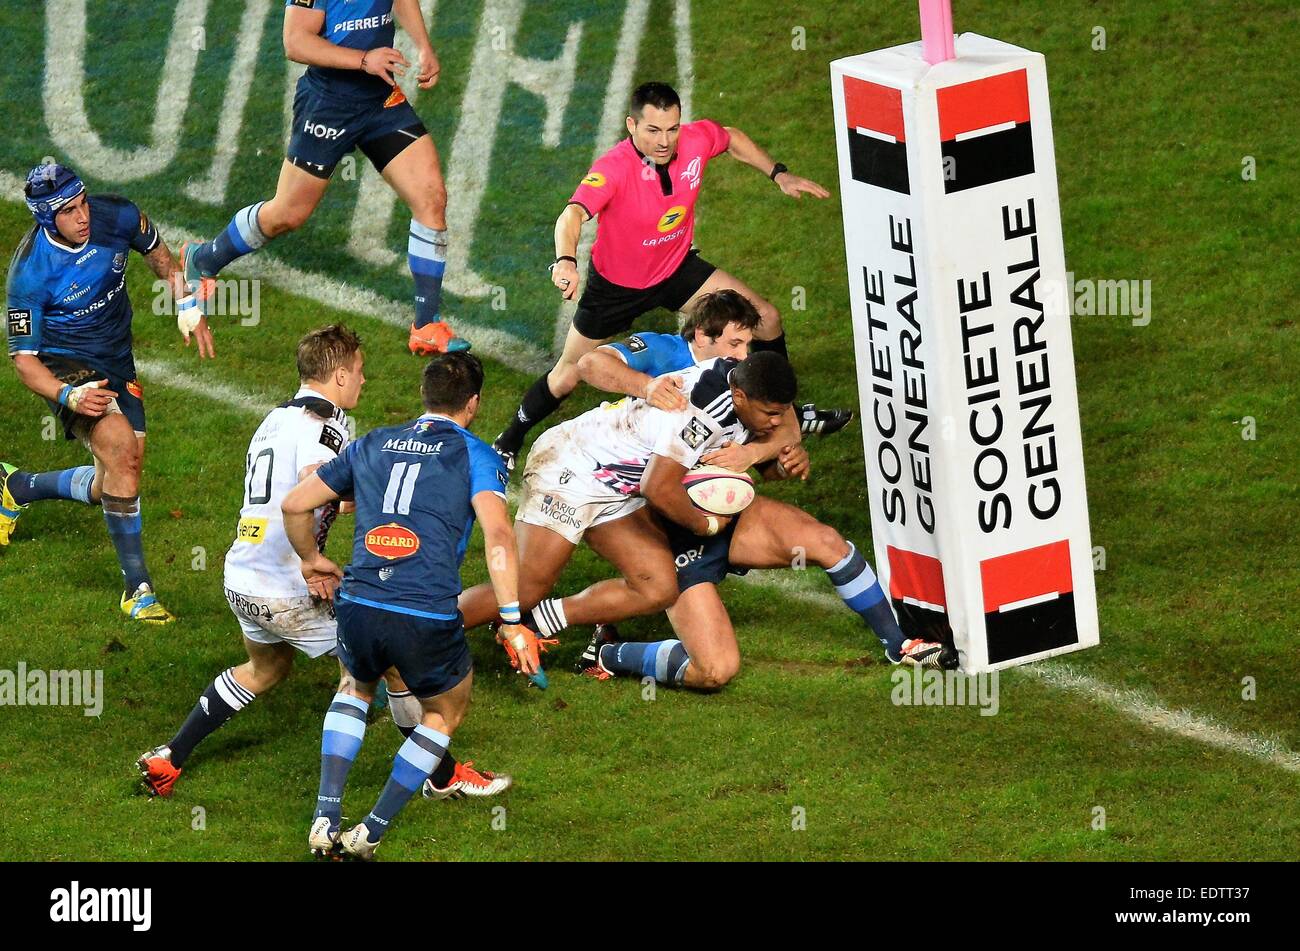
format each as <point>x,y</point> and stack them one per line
<point>549,617</point>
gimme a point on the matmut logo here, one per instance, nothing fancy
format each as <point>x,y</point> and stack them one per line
<point>392,541</point>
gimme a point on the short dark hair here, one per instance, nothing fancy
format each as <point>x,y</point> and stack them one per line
<point>714,311</point>
<point>659,95</point>
<point>325,350</point>
<point>450,380</point>
<point>766,376</point>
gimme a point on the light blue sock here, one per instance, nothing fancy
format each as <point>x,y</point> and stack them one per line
<point>242,236</point>
<point>856,583</point>
<point>72,484</point>
<point>417,758</point>
<point>345,728</point>
<point>426,253</point>
<point>122,516</point>
<point>665,661</point>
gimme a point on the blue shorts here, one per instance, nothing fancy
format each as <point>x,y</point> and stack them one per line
<point>327,127</point>
<point>431,656</point>
<point>701,559</point>
<point>121,380</point>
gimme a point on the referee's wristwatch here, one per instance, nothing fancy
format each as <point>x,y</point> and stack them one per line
<point>563,257</point>
<point>777,169</point>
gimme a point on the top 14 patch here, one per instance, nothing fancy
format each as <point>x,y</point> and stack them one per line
<point>695,433</point>
<point>19,323</point>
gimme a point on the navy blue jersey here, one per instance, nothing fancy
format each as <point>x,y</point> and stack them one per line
<point>655,354</point>
<point>73,301</point>
<point>412,485</point>
<point>358,25</point>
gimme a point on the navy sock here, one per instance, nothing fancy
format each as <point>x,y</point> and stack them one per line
<point>776,345</point>
<point>72,484</point>
<point>856,583</point>
<point>122,516</point>
<point>417,758</point>
<point>538,403</point>
<point>665,661</point>
<point>221,701</point>
<point>345,728</point>
<point>426,253</point>
<point>242,236</point>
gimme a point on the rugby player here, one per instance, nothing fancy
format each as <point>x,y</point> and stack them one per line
<point>642,193</point>
<point>348,98</point>
<point>592,477</point>
<point>418,488</point>
<point>69,328</point>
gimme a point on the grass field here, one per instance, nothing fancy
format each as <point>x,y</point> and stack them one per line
<point>1197,522</point>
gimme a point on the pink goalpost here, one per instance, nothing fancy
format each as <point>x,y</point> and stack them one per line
<point>936,31</point>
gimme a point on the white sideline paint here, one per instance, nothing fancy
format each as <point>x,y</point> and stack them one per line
<point>498,345</point>
<point>1131,703</point>
<point>211,188</point>
<point>65,102</point>
<point>155,372</point>
<point>495,65</point>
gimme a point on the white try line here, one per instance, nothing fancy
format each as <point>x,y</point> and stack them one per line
<point>508,349</point>
<point>165,373</point>
<point>1133,704</point>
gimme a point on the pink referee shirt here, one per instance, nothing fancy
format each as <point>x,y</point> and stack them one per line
<point>642,235</point>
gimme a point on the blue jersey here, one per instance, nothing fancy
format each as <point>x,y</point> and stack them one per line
<point>73,301</point>
<point>655,354</point>
<point>358,25</point>
<point>412,485</point>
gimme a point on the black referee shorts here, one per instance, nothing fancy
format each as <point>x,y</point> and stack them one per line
<point>609,310</point>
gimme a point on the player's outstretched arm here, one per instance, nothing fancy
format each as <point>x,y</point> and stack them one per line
<point>605,370</point>
<point>745,149</point>
<point>503,570</point>
<point>189,318</point>
<point>411,19</point>
<point>321,574</point>
<point>304,44</point>
<point>661,486</point>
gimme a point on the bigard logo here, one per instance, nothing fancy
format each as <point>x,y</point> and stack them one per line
<point>392,541</point>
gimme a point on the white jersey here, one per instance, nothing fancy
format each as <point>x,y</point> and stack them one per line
<point>614,442</point>
<point>262,563</point>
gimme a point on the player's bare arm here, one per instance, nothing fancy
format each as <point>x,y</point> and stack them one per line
<point>164,266</point>
<point>605,370</point>
<point>89,399</point>
<point>304,44</point>
<point>568,231</point>
<point>745,149</point>
<point>411,20</point>
<point>503,571</point>
<point>661,486</point>
<point>321,574</point>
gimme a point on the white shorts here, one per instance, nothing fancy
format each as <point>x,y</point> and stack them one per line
<point>304,623</point>
<point>567,500</point>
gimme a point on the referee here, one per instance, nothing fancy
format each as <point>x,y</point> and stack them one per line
<point>642,193</point>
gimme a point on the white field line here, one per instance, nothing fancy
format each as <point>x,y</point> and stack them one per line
<point>503,347</point>
<point>1133,704</point>
<point>168,374</point>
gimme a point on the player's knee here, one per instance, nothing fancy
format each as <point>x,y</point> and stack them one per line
<point>716,673</point>
<point>269,671</point>
<point>276,219</point>
<point>563,378</point>
<point>659,590</point>
<point>829,546</point>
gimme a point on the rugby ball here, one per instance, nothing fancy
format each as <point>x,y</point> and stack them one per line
<point>719,491</point>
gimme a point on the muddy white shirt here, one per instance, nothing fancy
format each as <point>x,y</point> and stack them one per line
<point>614,442</point>
<point>306,431</point>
